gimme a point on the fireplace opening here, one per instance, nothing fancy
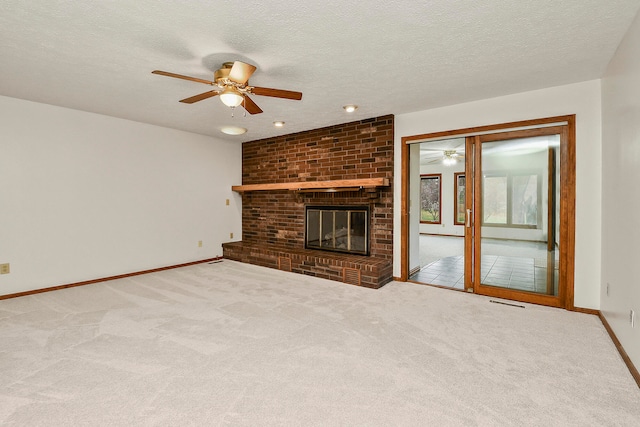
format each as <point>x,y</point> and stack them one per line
<point>337,229</point>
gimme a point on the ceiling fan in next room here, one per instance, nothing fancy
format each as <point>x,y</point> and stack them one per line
<point>232,84</point>
<point>446,157</point>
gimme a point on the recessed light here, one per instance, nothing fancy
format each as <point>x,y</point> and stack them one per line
<point>278,123</point>
<point>233,130</point>
<point>350,108</point>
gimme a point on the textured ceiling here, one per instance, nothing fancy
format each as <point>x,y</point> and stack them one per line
<point>388,57</point>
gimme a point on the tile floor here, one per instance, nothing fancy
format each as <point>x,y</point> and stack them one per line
<point>503,271</point>
<point>513,272</point>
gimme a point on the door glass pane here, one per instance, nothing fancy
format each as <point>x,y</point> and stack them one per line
<point>328,229</point>
<point>313,228</point>
<point>358,231</point>
<point>341,230</point>
<point>438,209</point>
<point>519,248</point>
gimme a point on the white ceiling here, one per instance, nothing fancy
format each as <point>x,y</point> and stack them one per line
<point>387,56</point>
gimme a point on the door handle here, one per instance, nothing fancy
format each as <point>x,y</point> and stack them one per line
<point>468,223</point>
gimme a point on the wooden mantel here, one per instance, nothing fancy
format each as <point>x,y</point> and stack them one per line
<point>337,185</point>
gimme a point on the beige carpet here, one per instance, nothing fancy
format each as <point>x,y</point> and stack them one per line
<point>235,344</point>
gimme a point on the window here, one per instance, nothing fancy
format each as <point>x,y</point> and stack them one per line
<point>430,198</point>
<point>512,200</point>
<point>459,197</point>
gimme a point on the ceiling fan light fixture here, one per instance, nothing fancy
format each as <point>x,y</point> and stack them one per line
<point>447,161</point>
<point>350,108</point>
<point>278,123</point>
<point>449,158</point>
<point>231,97</point>
<point>233,130</point>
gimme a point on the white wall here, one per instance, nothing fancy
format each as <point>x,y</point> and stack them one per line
<point>86,196</point>
<point>582,99</point>
<point>621,194</point>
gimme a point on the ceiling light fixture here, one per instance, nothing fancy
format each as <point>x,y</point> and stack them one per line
<point>350,108</point>
<point>231,97</point>
<point>233,130</point>
<point>449,158</point>
<point>278,123</point>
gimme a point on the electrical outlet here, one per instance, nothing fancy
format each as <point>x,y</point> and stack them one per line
<point>632,318</point>
<point>227,202</point>
<point>5,268</point>
<point>607,289</point>
<point>199,243</point>
<point>231,235</point>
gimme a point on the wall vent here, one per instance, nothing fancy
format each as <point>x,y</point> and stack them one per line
<point>351,276</point>
<point>284,263</point>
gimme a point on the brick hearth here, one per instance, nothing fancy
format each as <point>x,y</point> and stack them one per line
<point>273,221</point>
<point>371,272</point>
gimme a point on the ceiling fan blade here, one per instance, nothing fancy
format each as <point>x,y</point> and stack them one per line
<point>180,76</point>
<point>200,97</point>
<point>277,93</point>
<point>250,106</point>
<point>240,72</point>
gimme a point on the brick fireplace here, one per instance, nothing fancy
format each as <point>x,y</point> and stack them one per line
<point>273,220</point>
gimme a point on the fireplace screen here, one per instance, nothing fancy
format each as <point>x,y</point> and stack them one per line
<point>338,228</point>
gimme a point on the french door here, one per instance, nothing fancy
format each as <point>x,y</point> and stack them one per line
<point>512,227</point>
<point>514,204</point>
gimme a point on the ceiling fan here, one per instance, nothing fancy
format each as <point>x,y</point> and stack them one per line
<point>445,157</point>
<point>232,84</point>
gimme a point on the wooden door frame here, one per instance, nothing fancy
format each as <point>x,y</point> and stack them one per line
<point>567,192</point>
